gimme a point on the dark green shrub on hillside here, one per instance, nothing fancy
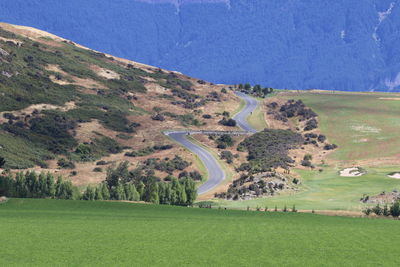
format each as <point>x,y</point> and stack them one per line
<point>395,209</point>
<point>228,156</point>
<point>269,149</point>
<point>225,141</point>
<point>65,164</point>
<point>2,162</point>
<point>228,122</point>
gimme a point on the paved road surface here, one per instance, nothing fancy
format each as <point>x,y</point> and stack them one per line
<point>215,173</point>
<point>241,117</point>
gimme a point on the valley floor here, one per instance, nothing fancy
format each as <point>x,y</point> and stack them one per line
<point>38,232</point>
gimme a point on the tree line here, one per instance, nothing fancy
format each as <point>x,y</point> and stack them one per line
<point>120,184</point>
<point>256,90</point>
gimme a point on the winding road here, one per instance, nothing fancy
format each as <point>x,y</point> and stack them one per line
<point>215,172</point>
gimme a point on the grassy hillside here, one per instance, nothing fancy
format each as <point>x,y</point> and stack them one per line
<point>62,101</point>
<point>56,232</point>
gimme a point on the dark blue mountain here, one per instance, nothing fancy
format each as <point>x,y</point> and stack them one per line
<point>298,44</point>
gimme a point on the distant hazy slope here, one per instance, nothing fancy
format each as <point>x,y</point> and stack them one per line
<point>299,44</point>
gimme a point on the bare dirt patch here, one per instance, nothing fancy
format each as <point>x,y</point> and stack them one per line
<point>67,78</point>
<point>37,107</point>
<point>105,73</point>
<point>14,41</point>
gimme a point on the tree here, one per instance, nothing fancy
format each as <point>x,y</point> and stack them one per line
<point>118,192</point>
<point>7,186</point>
<point>105,192</point>
<point>151,194</point>
<point>128,192</point>
<point>21,188</point>
<point>2,162</point>
<point>64,189</point>
<point>51,186</point>
<point>395,209</point>
<point>98,194</point>
<point>135,193</point>
<point>140,188</point>
<point>190,190</point>
<point>89,193</point>
<point>117,174</point>
<point>42,186</point>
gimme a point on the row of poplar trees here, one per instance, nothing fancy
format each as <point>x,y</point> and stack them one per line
<point>44,185</point>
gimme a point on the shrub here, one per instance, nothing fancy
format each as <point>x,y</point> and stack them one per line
<point>330,146</point>
<point>395,209</point>
<point>367,211</point>
<point>65,164</point>
<point>97,169</point>
<point>228,156</point>
<point>269,149</point>
<point>321,138</point>
<point>311,124</point>
<point>158,117</point>
<point>228,122</point>
<point>307,157</point>
<point>377,210</point>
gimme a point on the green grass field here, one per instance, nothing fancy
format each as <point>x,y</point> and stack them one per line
<point>366,127</point>
<point>79,233</point>
<point>326,191</point>
<point>363,125</point>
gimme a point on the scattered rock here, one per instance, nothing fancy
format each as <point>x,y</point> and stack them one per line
<point>382,198</point>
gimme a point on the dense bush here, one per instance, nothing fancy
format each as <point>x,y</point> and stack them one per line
<point>228,122</point>
<point>65,164</point>
<point>311,124</point>
<point>228,156</point>
<point>330,146</point>
<point>224,141</point>
<point>269,149</point>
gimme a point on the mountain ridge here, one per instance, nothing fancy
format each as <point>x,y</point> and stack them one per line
<point>296,44</point>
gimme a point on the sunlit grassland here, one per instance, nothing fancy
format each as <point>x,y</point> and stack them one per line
<point>71,233</point>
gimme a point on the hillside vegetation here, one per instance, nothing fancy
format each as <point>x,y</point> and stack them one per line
<point>65,233</point>
<point>63,107</point>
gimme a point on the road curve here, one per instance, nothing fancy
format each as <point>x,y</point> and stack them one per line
<point>241,117</point>
<point>215,172</point>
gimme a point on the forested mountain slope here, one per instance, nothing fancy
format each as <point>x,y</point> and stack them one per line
<point>296,44</point>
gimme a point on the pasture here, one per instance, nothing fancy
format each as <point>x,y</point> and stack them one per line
<point>364,125</point>
<point>366,128</point>
<point>38,232</point>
